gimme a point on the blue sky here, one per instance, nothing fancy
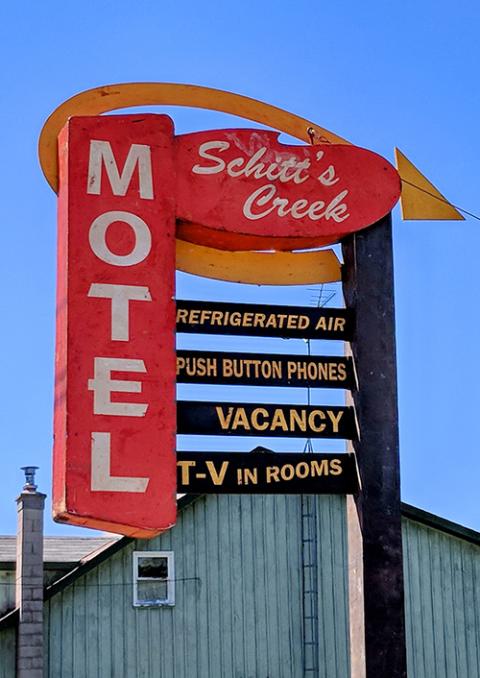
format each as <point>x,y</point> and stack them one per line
<point>379,74</point>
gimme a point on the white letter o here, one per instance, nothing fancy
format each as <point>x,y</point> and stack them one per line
<point>98,243</point>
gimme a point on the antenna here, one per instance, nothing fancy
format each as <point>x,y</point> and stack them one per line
<point>321,296</point>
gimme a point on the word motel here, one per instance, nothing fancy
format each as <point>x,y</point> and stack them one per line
<point>116,274</point>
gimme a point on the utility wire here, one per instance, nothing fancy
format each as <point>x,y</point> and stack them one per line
<point>313,136</point>
<point>432,195</point>
<point>126,583</point>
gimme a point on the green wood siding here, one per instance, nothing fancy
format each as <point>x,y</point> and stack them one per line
<point>7,653</point>
<point>238,610</point>
<point>442,595</point>
<point>7,591</point>
<point>7,586</point>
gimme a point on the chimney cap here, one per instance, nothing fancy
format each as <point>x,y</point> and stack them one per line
<point>29,471</point>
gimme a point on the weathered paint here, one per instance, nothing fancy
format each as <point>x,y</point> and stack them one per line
<point>114,461</point>
<point>238,608</point>
<point>442,600</point>
<point>241,189</point>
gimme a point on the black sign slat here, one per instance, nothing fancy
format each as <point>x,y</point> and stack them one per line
<point>253,369</point>
<point>249,419</point>
<point>266,473</point>
<point>294,322</point>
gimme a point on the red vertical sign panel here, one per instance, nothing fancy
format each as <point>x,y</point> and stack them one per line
<point>115,423</point>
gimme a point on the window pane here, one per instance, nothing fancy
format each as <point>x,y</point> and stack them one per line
<point>153,567</point>
<point>152,592</point>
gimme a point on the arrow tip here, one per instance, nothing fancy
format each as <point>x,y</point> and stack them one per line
<point>420,200</point>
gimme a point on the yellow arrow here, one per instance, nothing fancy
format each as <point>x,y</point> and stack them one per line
<point>419,199</point>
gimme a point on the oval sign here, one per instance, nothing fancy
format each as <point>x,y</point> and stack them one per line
<point>242,189</point>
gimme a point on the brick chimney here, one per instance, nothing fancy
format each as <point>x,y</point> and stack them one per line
<point>29,578</point>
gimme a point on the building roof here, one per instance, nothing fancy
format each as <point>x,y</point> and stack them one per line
<point>57,550</point>
<point>442,524</point>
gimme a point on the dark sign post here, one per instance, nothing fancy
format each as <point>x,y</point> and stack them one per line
<point>377,617</point>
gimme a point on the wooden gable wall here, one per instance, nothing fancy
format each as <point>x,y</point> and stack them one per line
<point>238,610</point>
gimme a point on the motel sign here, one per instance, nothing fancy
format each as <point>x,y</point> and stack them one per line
<point>115,387</point>
<point>136,202</point>
<point>127,188</point>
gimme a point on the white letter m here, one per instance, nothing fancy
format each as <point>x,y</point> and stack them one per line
<point>101,151</point>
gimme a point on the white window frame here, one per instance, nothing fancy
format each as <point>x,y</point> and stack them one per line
<point>170,599</point>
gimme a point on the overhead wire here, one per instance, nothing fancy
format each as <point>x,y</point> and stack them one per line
<point>99,585</point>
<point>312,136</point>
<point>441,199</point>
